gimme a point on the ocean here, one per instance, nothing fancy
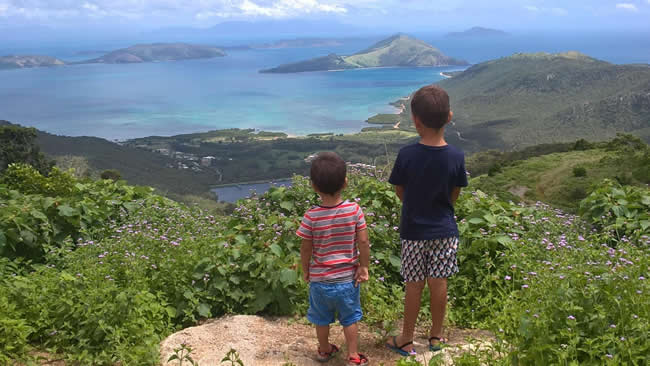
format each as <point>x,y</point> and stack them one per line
<point>167,98</point>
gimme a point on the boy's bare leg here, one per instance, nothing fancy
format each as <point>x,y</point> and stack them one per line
<point>438,290</point>
<point>411,311</point>
<point>351,333</point>
<point>323,334</point>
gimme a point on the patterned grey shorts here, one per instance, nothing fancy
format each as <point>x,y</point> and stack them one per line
<point>422,259</point>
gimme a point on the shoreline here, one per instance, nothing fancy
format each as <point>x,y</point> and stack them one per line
<point>261,181</point>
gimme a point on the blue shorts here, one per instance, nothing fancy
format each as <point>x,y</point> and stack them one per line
<point>328,299</point>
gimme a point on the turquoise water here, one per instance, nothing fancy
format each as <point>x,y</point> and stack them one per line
<point>126,101</point>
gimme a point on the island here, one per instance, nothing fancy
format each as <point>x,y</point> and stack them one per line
<point>399,50</point>
<point>477,32</point>
<point>158,52</point>
<point>27,61</point>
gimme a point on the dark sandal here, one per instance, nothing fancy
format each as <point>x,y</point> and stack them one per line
<point>361,360</point>
<point>393,347</point>
<point>326,356</point>
<point>436,347</point>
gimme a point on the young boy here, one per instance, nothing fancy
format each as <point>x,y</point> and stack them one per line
<point>335,254</point>
<point>427,177</point>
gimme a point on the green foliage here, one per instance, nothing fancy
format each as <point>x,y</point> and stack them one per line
<point>182,354</point>
<point>18,145</point>
<point>159,266</point>
<point>579,171</point>
<point>111,174</point>
<point>622,213</point>
<point>40,214</point>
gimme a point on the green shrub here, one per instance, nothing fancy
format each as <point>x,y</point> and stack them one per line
<point>111,174</point>
<point>579,171</point>
<point>40,213</point>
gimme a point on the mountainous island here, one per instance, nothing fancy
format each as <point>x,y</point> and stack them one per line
<point>158,52</point>
<point>397,51</point>
<point>477,32</point>
<point>26,61</point>
<point>528,99</point>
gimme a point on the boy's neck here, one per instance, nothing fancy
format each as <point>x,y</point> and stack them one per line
<point>431,137</point>
<point>330,200</point>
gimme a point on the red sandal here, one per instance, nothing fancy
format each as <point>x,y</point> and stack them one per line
<point>359,360</point>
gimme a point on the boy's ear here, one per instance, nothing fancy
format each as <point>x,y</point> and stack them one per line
<point>345,184</point>
<point>451,115</point>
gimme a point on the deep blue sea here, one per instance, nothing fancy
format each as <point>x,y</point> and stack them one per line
<point>125,101</point>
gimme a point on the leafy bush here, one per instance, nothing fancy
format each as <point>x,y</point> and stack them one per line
<point>111,174</point>
<point>622,213</point>
<point>18,145</point>
<point>579,171</point>
<point>40,213</point>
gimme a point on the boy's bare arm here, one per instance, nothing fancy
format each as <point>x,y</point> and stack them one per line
<point>454,195</point>
<point>363,243</point>
<point>400,192</point>
<point>305,257</point>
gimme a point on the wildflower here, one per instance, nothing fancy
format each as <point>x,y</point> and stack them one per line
<point>524,286</point>
<point>571,317</point>
<point>381,279</point>
<point>376,262</point>
<point>535,315</point>
<point>507,278</point>
<point>609,356</point>
<point>612,325</point>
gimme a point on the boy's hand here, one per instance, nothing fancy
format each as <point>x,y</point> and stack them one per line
<point>305,276</point>
<point>361,275</point>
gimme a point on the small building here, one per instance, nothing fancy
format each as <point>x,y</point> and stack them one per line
<point>207,160</point>
<point>310,158</point>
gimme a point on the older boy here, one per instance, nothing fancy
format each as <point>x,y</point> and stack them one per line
<point>335,255</point>
<point>427,177</point>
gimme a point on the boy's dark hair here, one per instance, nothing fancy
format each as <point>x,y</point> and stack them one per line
<point>430,105</point>
<point>328,172</point>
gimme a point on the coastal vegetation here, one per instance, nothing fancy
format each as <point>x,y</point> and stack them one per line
<point>399,50</point>
<point>158,52</point>
<point>26,61</point>
<point>97,272</point>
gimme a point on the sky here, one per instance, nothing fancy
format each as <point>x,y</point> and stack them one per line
<point>406,15</point>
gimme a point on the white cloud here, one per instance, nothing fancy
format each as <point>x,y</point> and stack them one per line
<point>628,6</point>
<point>561,12</point>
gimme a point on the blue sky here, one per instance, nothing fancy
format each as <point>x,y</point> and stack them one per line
<point>406,15</point>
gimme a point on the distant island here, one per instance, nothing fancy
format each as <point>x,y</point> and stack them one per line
<point>477,32</point>
<point>26,61</point>
<point>158,52</point>
<point>397,51</point>
<point>300,43</point>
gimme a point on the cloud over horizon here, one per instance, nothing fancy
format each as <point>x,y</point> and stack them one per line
<point>415,13</point>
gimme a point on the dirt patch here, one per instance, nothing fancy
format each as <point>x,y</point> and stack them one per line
<point>519,191</point>
<point>276,341</point>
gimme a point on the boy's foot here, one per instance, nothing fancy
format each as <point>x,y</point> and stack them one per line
<point>393,346</point>
<point>326,356</point>
<point>436,343</point>
<point>358,360</point>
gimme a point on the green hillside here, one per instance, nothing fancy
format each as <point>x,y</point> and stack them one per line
<point>527,99</point>
<point>562,178</point>
<point>99,272</point>
<point>159,52</point>
<point>397,51</point>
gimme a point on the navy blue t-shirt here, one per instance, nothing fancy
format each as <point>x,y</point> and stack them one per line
<point>428,174</point>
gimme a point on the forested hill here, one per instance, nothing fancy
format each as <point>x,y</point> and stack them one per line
<point>158,52</point>
<point>527,99</point>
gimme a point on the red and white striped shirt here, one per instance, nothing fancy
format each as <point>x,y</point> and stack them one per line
<point>333,231</point>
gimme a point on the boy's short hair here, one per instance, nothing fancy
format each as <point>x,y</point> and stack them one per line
<point>430,105</point>
<point>328,172</point>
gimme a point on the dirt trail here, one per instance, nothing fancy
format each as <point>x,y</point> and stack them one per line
<point>547,181</point>
<point>265,341</point>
